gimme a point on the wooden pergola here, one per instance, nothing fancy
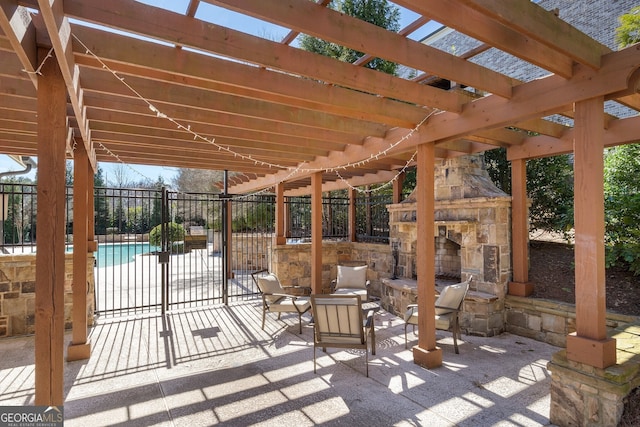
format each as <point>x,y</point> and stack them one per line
<point>170,89</point>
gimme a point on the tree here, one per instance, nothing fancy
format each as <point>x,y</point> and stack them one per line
<point>119,221</point>
<point>19,207</point>
<point>551,193</point>
<point>377,12</point>
<point>101,207</point>
<point>156,209</point>
<point>621,184</point>
<point>68,173</point>
<point>622,206</point>
<point>197,180</point>
<point>121,176</point>
<point>628,32</point>
<point>549,186</point>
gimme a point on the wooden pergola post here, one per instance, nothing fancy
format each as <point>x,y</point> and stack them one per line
<point>281,239</point>
<point>519,285</point>
<point>589,344</point>
<point>352,214</point>
<point>50,259</point>
<point>426,353</point>
<point>316,233</point>
<point>397,188</point>
<point>80,347</point>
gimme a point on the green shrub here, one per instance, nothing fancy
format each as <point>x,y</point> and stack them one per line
<point>622,206</point>
<point>177,248</point>
<point>176,234</point>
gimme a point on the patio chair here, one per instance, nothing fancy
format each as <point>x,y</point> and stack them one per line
<point>290,290</point>
<point>276,300</point>
<point>338,322</point>
<point>351,280</point>
<point>448,307</point>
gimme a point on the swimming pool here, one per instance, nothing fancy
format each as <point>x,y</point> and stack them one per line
<point>111,254</point>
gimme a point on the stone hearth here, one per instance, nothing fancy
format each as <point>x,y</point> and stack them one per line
<point>473,237</point>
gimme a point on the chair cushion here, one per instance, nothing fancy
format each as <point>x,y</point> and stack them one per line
<point>411,316</point>
<point>443,321</point>
<point>352,277</point>
<point>269,284</point>
<point>288,305</point>
<point>352,291</point>
<point>451,296</point>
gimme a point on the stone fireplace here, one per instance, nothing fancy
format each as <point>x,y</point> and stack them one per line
<point>472,237</point>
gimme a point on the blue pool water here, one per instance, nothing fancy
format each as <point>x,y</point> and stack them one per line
<point>110,254</point>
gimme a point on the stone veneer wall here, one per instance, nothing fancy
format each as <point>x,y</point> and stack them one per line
<point>482,228</point>
<point>292,263</point>
<point>249,250</point>
<point>549,321</point>
<point>17,292</point>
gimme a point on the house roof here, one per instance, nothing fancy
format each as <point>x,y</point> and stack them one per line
<point>151,86</point>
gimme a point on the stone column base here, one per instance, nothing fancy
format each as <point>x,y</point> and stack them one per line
<point>582,395</point>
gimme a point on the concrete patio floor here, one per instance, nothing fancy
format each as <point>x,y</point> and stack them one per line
<point>215,366</point>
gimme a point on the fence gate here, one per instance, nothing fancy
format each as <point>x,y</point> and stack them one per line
<point>193,269</point>
<point>163,250</point>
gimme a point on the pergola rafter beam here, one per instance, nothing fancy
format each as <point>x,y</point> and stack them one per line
<point>59,32</point>
<point>145,59</point>
<point>362,36</point>
<point>534,22</point>
<point>474,24</point>
<point>621,131</point>
<point>98,81</point>
<point>530,100</point>
<point>174,28</point>
<point>18,27</point>
<point>226,124</point>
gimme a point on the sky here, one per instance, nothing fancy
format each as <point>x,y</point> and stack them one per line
<point>225,18</point>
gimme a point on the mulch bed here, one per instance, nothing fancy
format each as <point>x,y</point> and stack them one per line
<point>553,276</point>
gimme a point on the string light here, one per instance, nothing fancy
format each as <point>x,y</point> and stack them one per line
<point>292,170</point>
<point>381,186</point>
<point>115,156</point>
<point>39,69</point>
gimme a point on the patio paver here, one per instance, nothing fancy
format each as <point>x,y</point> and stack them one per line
<point>215,366</point>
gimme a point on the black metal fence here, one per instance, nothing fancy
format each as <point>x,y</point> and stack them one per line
<point>372,217</point>
<point>18,225</point>
<point>121,211</point>
<point>134,273</point>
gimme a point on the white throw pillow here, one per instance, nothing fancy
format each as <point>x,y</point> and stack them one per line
<point>352,277</point>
